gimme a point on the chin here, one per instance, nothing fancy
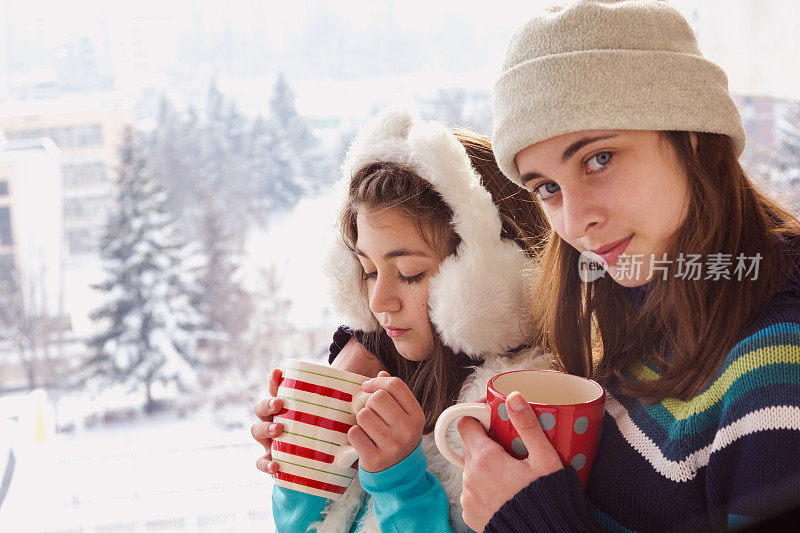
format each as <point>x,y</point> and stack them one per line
<point>625,281</point>
<point>411,353</point>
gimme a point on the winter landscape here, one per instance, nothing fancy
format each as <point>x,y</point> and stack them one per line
<point>167,191</point>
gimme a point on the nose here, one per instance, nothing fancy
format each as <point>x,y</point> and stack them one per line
<point>383,297</point>
<point>582,213</point>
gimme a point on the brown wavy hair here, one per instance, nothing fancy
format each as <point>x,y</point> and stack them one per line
<point>686,327</point>
<point>437,380</point>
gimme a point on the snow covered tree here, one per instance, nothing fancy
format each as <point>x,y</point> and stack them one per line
<point>460,107</point>
<point>273,167</point>
<point>151,328</point>
<point>223,301</point>
<point>301,144</point>
<point>22,326</point>
<point>172,157</point>
<point>787,158</point>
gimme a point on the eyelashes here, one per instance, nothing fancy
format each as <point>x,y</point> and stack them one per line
<point>405,279</point>
<point>412,279</point>
<point>593,165</point>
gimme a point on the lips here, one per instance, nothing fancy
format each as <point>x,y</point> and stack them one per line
<point>610,252</point>
<point>394,332</point>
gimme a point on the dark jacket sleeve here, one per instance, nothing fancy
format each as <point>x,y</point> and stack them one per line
<point>551,503</point>
<point>374,344</point>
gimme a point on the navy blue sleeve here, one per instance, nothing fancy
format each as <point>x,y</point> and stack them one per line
<point>341,337</point>
<point>378,345</point>
<point>551,503</point>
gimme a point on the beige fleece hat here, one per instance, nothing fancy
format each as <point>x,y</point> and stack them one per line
<point>607,64</point>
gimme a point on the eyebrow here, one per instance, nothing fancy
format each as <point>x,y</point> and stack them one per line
<point>401,252</point>
<point>571,150</point>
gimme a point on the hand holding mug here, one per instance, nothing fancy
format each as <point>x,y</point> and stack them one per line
<point>389,426</point>
<point>263,432</point>
<point>492,476</point>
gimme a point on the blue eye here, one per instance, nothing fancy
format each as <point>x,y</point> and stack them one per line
<point>598,161</point>
<point>369,275</point>
<point>546,190</point>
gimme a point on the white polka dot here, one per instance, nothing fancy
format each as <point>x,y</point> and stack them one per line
<point>501,410</point>
<point>581,425</point>
<point>518,447</point>
<point>547,421</point>
<point>578,462</point>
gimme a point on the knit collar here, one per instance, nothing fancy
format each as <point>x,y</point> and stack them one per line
<point>637,295</point>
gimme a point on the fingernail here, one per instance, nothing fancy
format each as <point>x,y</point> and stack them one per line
<point>272,403</point>
<point>272,428</point>
<point>516,402</point>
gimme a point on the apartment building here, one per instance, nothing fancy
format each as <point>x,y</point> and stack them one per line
<point>31,253</point>
<point>87,129</point>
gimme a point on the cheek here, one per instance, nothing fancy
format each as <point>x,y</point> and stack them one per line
<point>419,303</point>
<point>663,209</point>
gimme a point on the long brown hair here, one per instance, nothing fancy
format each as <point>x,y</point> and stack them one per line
<point>685,327</point>
<point>437,380</point>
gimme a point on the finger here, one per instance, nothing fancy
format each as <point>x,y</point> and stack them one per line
<point>398,389</point>
<point>275,379</point>
<point>266,430</point>
<point>474,435</point>
<point>386,407</point>
<point>267,408</point>
<point>267,465</point>
<point>361,441</point>
<point>373,425</point>
<point>525,421</point>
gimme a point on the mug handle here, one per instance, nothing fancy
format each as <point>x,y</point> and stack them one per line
<point>347,455</point>
<point>479,411</point>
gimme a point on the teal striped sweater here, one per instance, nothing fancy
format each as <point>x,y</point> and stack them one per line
<point>724,460</point>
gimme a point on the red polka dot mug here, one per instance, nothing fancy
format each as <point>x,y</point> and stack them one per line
<point>570,411</point>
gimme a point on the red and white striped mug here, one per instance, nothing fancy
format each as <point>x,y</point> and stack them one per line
<point>319,407</point>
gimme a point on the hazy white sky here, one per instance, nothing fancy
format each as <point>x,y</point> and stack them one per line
<point>755,41</point>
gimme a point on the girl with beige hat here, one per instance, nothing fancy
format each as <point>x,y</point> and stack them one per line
<point>628,137</point>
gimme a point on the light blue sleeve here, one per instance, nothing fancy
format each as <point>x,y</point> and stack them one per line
<point>407,497</point>
<point>294,511</point>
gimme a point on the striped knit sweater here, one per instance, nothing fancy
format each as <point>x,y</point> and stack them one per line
<point>726,459</point>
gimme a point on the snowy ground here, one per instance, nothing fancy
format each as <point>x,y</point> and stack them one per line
<point>162,474</point>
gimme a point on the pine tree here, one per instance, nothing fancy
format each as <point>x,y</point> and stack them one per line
<point>223,301</point>
<point>302,146</point>
<point>172,157</point>
<point>788,139</point>
<point>151,328</point>
<point>273,167</point>
<point>787,158</point>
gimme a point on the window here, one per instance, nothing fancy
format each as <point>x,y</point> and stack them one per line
<point>6,269</point>
<point>64,137</point>
<point>85,208</point>
<point>5,227</point>
<point>3,188</point>
<point>80,241</point>
<point>84,174</point>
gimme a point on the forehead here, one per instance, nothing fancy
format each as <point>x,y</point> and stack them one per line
<point>553,149</point>
<point>386,229</point>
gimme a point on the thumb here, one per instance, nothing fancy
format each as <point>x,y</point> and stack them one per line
<point>383,374</point>
<point>525,421</point>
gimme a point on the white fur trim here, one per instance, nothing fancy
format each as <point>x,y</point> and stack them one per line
<point>478,300</point>
<point>346,288</point>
